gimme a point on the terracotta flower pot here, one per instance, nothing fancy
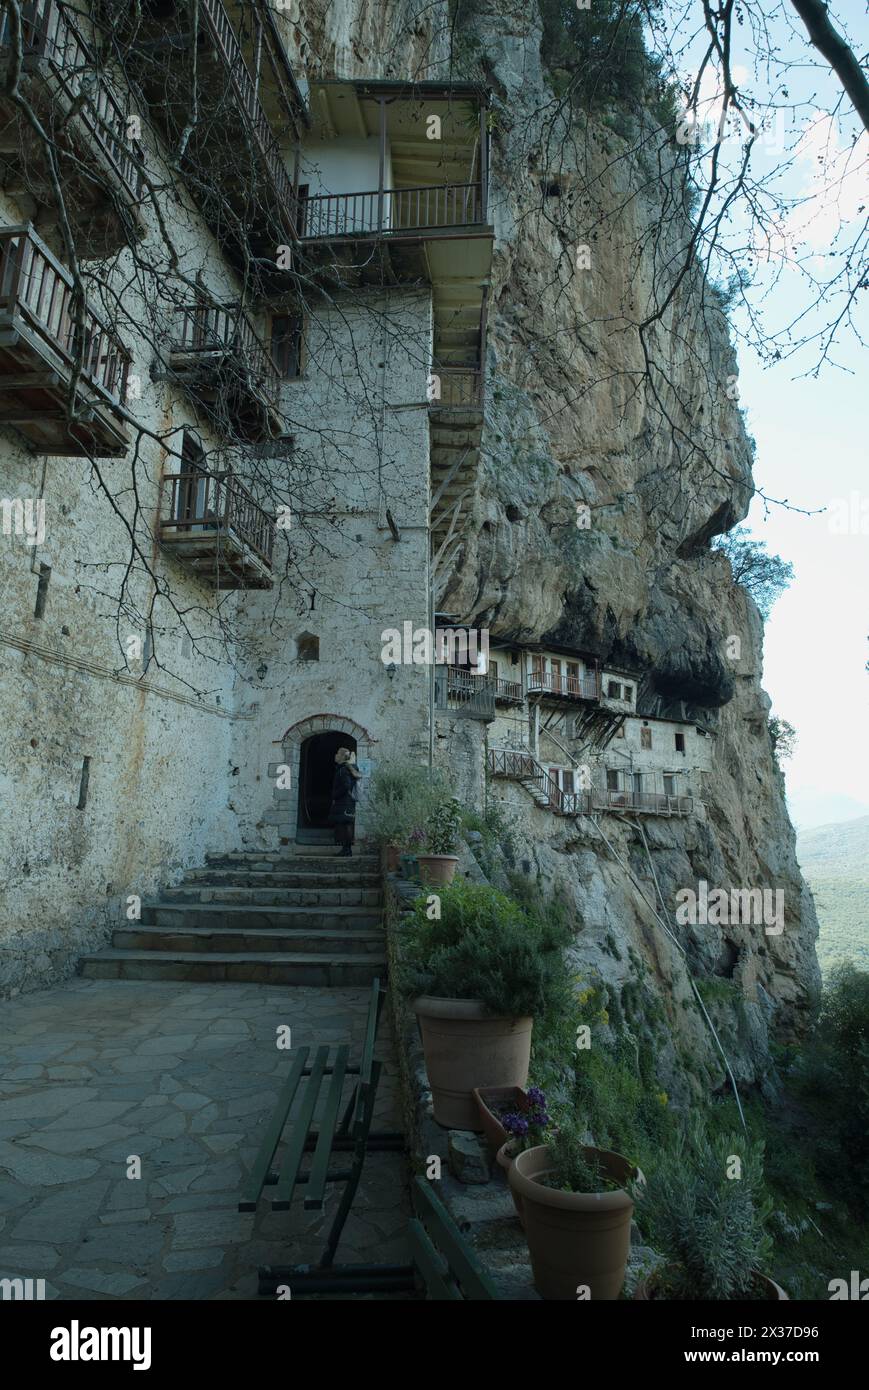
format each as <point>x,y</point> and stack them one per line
<point>437,869</point>
<point>646,1290</point>
<point>574,1238</point>
<point>504,1099</point>
<point>462,1042</point>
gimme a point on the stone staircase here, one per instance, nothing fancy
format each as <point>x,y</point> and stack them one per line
<point>300,918</point>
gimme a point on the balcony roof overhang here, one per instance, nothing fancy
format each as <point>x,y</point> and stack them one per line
<point>351,110</point>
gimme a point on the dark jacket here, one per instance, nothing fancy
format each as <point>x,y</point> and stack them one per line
<point>343,806</point>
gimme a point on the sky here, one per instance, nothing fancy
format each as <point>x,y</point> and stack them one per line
<point>812,432</point>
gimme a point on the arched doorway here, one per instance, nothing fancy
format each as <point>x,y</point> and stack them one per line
<point>316,771</point>
<point>303,798</point>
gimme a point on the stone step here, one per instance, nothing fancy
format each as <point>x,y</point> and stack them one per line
<point>246,940</point>
<point>309,857</point>
<point>249,915</point>
<point>357,969</point>
<point>264,878</point>
<point>273,896</point>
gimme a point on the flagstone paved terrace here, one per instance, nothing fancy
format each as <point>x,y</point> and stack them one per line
<point>184,1076</point>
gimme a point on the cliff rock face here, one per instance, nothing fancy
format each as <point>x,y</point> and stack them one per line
<point>643,428</point>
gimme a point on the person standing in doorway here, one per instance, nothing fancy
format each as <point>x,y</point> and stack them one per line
<point>345,790</point>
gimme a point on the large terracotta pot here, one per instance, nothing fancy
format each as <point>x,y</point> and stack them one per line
<point>463,1043</point>
<point>646,1290</point>
<point>437,869</point>
<point>574,1238</point>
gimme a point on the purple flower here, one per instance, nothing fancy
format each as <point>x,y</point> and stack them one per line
<point>516,1125</point>
<point>536,1097</point>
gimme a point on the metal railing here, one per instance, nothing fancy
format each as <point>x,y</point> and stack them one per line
<point>48,31</point>
<point>458,688</point>
<point>392,210</point>
<point>576,687</point>
<point>222,31</point>
<point>198,502</point>
<point>203,330</point>
<point>38,289</point>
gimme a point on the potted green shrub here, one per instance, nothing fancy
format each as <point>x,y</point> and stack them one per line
<point>437,860</point>
<point>478,974</point>
<point>576,1204</point>
<point>401,798</point>
<point>705,1209</point>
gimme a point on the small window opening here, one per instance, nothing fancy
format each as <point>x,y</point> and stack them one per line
<point>645,738</point>
<point>287,344</point>
<point>614,690</point>
<point>612,780</point>
<point>552,190</point>
<point>308,647</point>
<point>83,783</point>
<point>629,692</point>
<point>42,590</point>
<point>680,743</point>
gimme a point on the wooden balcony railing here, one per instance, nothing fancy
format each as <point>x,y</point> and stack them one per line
<point>36,287</point>
<point>393,210</point>
<point>49,32</point>
<point>459,388</point>
<point>203,332</point>
<point>507,690</point>
<point>524,767</point>
<point>657,803</point>
<point>198,504</point>
<point>216,20</point>
<point>585,687</point>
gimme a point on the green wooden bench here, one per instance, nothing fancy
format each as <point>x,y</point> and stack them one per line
<point>324,1080</point>
<point>445,1261</point>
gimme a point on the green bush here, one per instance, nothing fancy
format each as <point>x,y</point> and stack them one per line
<point>485,946</point>
<point>834,1075</point>
<point>705,1219</point>
<point>402,798</point>
<point>602,48</point>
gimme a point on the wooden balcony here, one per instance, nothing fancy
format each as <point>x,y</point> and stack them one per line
<point>86,121</point>
<point>456,389</point>
<point>648,803</point>
<point>507,692</point>
<point>43,347</point>
<point>232,158</point>
<point>393,212</point>
<point>464,692</point>
<point>561,687</point>
<point>217,355</point>
<point>212,523</point>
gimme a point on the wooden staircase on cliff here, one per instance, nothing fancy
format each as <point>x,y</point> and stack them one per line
<point>301,918</point>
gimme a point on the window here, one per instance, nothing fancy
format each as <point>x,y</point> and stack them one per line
<point>680,743</point>
<point>614,690</point>
<point>567,781</point>
<point>645,738</point>
<point>307,647</point>
<point>612,780</point>
<point>287,344</point>
<point>191,491</point>
<point>573,677</point>
<point>669,784</point>
<point>629,692</point>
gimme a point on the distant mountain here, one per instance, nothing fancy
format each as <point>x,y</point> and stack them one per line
<point>835,863</point>
<point>810,809</point>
